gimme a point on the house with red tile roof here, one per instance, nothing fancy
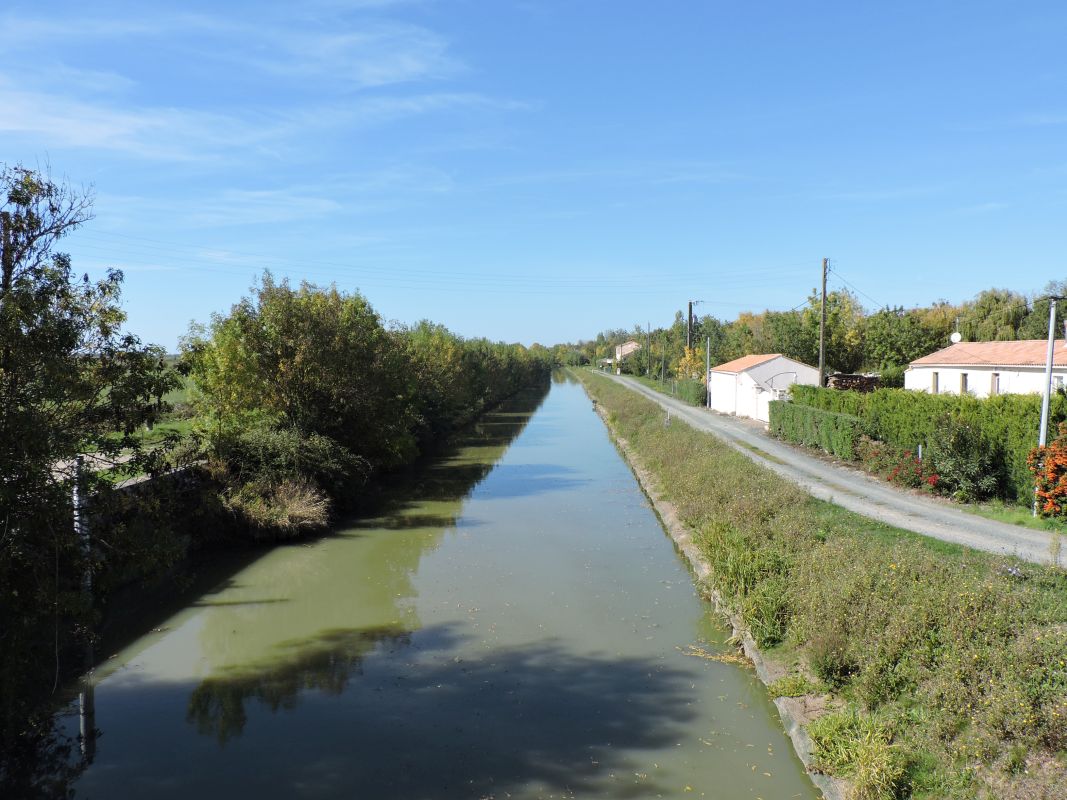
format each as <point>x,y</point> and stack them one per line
<point>746,385</point>
<point>984,369</point>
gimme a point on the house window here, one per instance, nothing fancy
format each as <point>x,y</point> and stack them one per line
<point>933,384</point>
<point>963,383</point>
<point>1057,382</point>
<point>994,384</point>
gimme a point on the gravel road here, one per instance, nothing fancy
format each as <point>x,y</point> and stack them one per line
<point>856,491</point>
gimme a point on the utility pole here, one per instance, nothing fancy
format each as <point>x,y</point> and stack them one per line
<point>689,327</point>
<point>822,326</point>
<point>648,357</point>
<point>1042,435</point>
<point>707,374</point>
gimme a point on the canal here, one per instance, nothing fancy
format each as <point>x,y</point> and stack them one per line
<point>514,623</point>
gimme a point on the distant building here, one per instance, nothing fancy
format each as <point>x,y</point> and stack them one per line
<point>745,386</point>
<point>624,349</point>
<point>984,369</point>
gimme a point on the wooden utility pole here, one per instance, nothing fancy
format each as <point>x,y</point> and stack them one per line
<point>822,326</point>
<point>689,327</point>
<point>648,358</point>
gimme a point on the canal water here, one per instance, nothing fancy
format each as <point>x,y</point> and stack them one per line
<point>514,624</point>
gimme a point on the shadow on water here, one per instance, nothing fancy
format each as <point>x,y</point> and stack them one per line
<point>434,725</point>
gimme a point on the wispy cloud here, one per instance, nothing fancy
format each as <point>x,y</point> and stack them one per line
<point>57,120</point>
<point>359,52</point>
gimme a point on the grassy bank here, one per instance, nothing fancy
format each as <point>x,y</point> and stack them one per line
<point>948,667</point>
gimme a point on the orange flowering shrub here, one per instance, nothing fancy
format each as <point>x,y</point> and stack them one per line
<point>1049,467</point>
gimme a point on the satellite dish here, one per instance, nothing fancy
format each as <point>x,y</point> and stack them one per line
<point>956,338</point>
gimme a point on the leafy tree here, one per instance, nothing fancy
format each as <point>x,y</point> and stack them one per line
<point>1035,326</point>
<point>894,337</point>
<point>71,382</point>
<point>312,358</point>
<point>844,330</point>
<point>789,336</point>
<point>995,315</point>
<point>691,365</point>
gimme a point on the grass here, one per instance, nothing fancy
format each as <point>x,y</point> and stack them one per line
<point>1014,515</point>
<point>952,662</point>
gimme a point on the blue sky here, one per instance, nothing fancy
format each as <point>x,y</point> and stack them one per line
<point>539,171</point>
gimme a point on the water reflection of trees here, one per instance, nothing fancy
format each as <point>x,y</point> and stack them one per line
<point>448,721</point>
<point>325,663</point>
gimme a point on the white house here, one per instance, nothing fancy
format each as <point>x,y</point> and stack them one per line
<point>746,385</point>
<point>987,368</point>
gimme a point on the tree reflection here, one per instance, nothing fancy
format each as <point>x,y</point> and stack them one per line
<point>325,663</point>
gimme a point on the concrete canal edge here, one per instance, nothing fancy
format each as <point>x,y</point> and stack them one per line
<point>791,710</point>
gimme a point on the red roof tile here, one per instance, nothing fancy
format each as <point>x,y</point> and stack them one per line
<point>1024,353</point>
<point>745,362</point>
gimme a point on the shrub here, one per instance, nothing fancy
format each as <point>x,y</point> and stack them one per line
<point>1048,465</point>
<point>891,376</point>
<point>692,392</point>
<point>263,454</point>
<point>837,434</point>
<point>963,460</point>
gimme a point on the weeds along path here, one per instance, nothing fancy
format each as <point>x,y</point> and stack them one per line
<point>857,492</point>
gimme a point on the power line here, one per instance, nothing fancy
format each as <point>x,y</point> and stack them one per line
<point>855,288</point>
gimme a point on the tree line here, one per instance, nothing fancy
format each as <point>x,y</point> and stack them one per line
<point>883,341</point>
<point>305,395</point>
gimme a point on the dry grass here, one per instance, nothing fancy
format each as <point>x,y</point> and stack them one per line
<point>281,511</point>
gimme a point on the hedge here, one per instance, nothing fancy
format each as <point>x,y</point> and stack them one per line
<point>906,419</point>
<point>837,434</point>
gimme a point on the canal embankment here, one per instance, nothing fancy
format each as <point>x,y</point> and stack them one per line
<point>915,668</point>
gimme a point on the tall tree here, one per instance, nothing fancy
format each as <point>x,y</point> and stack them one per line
<point>894,337</point>
<point>995,315</point>
<point>71,382</point>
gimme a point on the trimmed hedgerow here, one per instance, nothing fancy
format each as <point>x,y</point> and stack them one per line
<point>906,419</point>
<point>837,434</point>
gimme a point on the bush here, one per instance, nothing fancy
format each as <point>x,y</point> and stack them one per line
<point>692,392</point>
<point>262,454</point>
<point>963,460</point>
<point>1048,465</point>
<point>891,376</point>
<point>837,434</point>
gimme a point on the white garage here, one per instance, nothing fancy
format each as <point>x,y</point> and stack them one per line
<point>745,386</point>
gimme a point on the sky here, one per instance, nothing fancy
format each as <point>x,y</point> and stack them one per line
<point>531,170</point>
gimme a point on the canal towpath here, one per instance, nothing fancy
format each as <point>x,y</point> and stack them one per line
<point>856,491</point>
